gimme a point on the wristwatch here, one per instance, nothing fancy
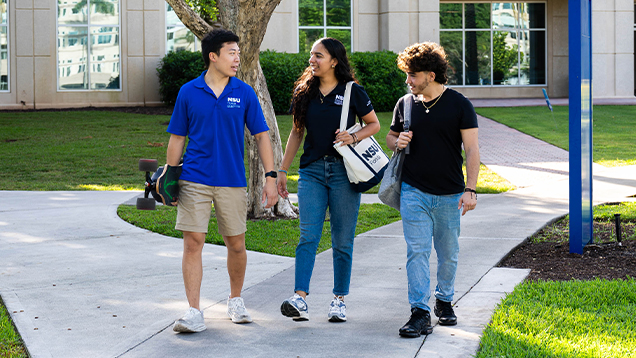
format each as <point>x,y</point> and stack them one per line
<point>272,174</point>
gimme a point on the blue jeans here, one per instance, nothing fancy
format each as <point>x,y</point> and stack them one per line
<point>430,218</point>
<point>324,184</point>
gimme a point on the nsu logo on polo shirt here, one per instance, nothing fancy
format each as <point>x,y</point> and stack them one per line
<point>233,102</point>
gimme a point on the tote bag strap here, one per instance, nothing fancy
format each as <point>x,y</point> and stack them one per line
<point>408,102</point>
<point>344,115</point>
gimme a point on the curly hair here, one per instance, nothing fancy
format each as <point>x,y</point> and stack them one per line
<point>426,56</point>
<point>307,86</point>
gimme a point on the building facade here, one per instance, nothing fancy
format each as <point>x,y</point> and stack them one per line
<point>77,53</point>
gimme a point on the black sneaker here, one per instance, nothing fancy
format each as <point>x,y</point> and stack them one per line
<point>420,323</point>
<point>444,310</point>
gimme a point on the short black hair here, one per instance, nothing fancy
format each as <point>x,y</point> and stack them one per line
<point>214,41</point>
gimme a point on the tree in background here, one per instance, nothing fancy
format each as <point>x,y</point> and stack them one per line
<point>248,19</point>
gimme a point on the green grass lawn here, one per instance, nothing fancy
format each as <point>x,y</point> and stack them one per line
<point>99,150</point>
<point>278,237</point>
<point>614,129</point>
<point>10,342</point>
<point>545,319</point>
<point>564,319</point>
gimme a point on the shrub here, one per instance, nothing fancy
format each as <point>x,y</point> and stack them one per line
<point>281,70</point>
<point>175,70</point>
<point>383,81</point>
<point>376,71</point>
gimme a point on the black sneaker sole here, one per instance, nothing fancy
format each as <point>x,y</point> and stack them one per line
<point>425,332</point>
<point>288,310</point>
<point>336,319</point>
<point>443,322</point>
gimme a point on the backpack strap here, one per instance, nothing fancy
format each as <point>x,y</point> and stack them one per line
<point>408,104</point>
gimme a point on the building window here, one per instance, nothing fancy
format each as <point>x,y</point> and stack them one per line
<point>494,44</point>
<point>178,37</point>
<point>323,18</point>
<point>88,44</point>
<point>4,46</point>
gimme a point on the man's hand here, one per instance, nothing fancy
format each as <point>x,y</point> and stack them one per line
<point>270,196</point>
<point>468,201</point>
<point>403,140</point>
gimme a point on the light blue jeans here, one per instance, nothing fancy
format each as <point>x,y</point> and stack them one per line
<point>324,184</point>
<point>427,219</point>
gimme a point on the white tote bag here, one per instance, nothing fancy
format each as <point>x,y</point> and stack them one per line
<point>365,161</point>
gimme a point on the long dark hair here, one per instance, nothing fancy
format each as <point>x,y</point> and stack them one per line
<point>307,86</point>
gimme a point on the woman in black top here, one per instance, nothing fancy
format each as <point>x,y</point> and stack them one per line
<point>323,184</point>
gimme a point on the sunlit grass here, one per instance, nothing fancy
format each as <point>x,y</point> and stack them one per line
<point>11,345</point>
<point>278,237</point>
<point>564,319</point>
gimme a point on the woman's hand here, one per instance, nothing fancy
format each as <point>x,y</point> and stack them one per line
<point>281,184</point>
<point>344,138</point>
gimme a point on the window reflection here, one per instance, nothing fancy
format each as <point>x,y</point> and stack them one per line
<point>452,43</point>
<point>307,37</point>
<point>88,55</point>
<point>179,37</point>
<point>4,60</point>
<point>477,58</point>
<point>104,12</point>
<point>104,58</point>
<point>4,47</point>
<point>312,25</point>
<point>72,12</point>
<point>343,35</point>
<point>510,50</point>
<point>450,16</point>
<point>3,12</point>
<point>477,16</point>
<point>310,13</point>
<point>72,57</point>
<point>339,13</point>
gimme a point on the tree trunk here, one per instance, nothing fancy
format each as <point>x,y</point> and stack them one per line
<point>248,19</point>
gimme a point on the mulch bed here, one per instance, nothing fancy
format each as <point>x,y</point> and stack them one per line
<point>547,254</point>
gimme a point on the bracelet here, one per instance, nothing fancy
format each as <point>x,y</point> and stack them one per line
<point>283,171</point>
<point>355,138</point>
<point>469,190</point>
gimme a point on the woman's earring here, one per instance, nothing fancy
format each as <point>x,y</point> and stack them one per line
<point>333,66</point>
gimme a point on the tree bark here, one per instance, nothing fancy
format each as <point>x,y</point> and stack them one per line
<point>248,19</point>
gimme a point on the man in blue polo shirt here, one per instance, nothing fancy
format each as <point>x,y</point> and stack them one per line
<point>212,112</point>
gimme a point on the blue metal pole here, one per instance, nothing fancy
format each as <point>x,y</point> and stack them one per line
<point>580,121</point>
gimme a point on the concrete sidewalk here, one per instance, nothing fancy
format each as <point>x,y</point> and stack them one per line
<point>79,282</point>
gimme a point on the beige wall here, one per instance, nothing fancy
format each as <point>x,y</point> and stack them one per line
<point>377,25</point>
<point>33,77</point>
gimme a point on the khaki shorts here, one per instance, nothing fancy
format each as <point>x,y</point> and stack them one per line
<point>195,205</point>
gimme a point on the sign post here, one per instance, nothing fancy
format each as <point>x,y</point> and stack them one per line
<point>580,120</point>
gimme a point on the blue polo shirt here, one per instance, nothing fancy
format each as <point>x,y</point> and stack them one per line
<point>215,128</point>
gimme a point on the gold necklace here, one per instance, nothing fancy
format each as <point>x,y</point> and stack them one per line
<point>438,97</point>
<point>322,96</point>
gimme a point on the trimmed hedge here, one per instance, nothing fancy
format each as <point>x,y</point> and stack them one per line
<point>177,69</point>
<point>376,71</point>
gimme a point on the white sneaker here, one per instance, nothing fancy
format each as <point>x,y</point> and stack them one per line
<point>191,322</point>
<point>296,308</point>
<point>337,310</point>
<point>236,310</point>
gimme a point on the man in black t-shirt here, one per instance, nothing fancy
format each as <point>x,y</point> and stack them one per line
<point>433,192</point>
